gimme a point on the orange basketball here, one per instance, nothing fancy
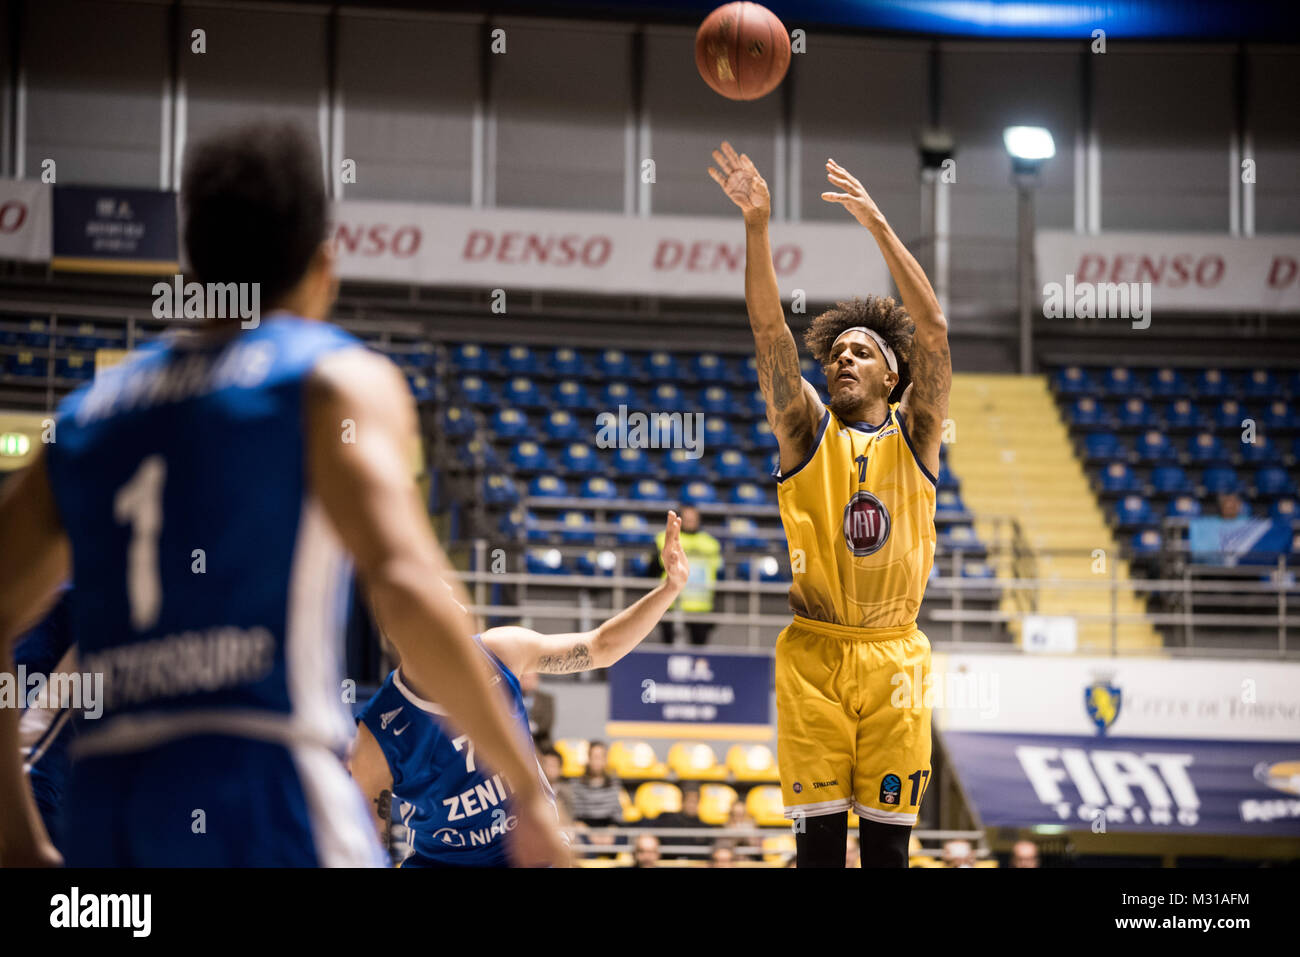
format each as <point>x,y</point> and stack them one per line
<point>742,50</point>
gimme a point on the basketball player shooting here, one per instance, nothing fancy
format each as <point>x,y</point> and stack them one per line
<point>857,497</point>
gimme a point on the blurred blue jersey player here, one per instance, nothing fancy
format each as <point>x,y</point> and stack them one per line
<point>420,770</point>
<point>45,730</point>
<point>206,497</point>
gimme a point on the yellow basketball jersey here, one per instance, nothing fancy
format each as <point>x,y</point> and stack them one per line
<point>859,520</point>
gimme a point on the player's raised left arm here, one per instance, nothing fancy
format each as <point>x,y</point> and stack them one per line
<point>523,650</point>
<point>925,402</point>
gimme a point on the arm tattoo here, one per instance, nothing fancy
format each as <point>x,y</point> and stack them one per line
<point>931,382</point>
<point>384,808</point>
<point>778,373</point>
<point>577,658</point>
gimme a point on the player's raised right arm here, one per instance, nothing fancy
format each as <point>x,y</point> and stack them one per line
<point>367,489</point>
<point>793,407</point>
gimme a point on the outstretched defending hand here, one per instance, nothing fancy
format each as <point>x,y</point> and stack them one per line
<point>676,567</point>
<point>854,198</point>
<point>740,180</point>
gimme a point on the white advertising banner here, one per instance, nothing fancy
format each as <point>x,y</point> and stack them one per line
<point>1180,271</point>
<point>24,220</point>
<point>596,252</point>
<point>1117,697</point>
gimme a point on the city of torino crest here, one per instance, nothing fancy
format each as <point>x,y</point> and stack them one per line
<point>1102,700</point>
<point>866,524</point>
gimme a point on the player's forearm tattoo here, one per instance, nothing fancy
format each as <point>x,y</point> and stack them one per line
<point>778,372</point>
<point>384,809</point>
<point>577,658</point>
<point>931,384</point>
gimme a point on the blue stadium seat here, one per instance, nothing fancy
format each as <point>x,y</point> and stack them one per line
<point>1134,414</point>
<point>1293,384</point>
<point>680,465</point>
<point>1205,447</point>
<point>473,389</point>
<point>961,537</point>
<point>813,372</point>
<point>513,523</point>
<point>747,493</point>
<point>977,570</point>
<point>1154,446</point>
<point>561,426</point>
<point>1183,506</point>
<point>1102,446</point>
<point>577,528</point>
<point>544,561</point>
<point>599,488</point>
<point>422,387</point>
<point>767,568</point>
<point>520,361</point>
<point>743,532</point>
<point>457,423</point>
<point>1273,480</point>
<point>614,364</point>
<point>1134,510</point>
<point>747,371</point>
<point>648,490</point>
<point>78,366</point>
<point>511,424</point>
<point>1220,479</point>
<point>633,529</point>
<point>730,464</point>
<point>1213,383</point>
<point>1072,380</point>
<point>570,394</point>
<point>699,493</point>
<point>636,566</point>
<point>1118,477</point>
<point>1120,381</point>
<point>1285,509</point>
<point>1168,383</point>
<point>753,404</point>
<point>616,394</point>
<point>1146,543</point>
<point>1228,415</point>
<point>530,457</point>
<point>1261,452</point>
<point>470,357</point>
<point>947,479</point>
<point>717,432</point>
<point>1260,384</point>
<point>1170,480</point>
<point>566,362</point>
<point>666,397</point>
<point>716,400</point>
<point>1086,412</point>
<point>660,366</point>
<point>523,392</point>
<point>548,486</point>
<point>595,562</point>
<point>579,459</point>
<point>949,502</point>
<point>1279,416</point>
<point>1181,414</point>
<point>498,490</point>
<point>631,463</point>
<point>760,436</point>
<point>706,368</point>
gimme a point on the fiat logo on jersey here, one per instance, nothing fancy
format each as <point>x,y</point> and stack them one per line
<point>866,524</point>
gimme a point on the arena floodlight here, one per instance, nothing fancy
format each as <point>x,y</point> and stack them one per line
<point>1029,146</point>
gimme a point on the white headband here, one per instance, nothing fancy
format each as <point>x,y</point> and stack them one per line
<point>890,359</point>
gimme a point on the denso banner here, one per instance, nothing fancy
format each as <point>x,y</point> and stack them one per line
<point>1078,275</point>
<point>24,220</point>
<point>596,252</point>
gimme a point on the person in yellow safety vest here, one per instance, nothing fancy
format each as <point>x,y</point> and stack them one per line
<point>705,557</point>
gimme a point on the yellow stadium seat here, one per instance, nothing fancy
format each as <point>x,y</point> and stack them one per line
<point>573,756</point>
<point>765,806</point>
<point>778,849</point>
<point>658,797</point>
<point>631,813</point>
<point>695,761</point>
<point>752,762</point>
<point>715,802</point>
<point>635,759</point>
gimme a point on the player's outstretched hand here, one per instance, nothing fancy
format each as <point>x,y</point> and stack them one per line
<point>854,197</point>
<point>741,181</point>
<point>536,841</point>
<point>676,567</point>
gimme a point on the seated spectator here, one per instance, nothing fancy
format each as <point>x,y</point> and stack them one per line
<point>647,851</point>
<point>1024,854</point>
<point>595,797</point>
<point>958,854</point>
<point>738,819</point>
<point>723,855</point>
<point>688,816</point>
<point>553,768</point>
<point>541,709</point>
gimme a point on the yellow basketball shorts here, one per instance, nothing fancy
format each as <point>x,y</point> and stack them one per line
<point>853,730</point>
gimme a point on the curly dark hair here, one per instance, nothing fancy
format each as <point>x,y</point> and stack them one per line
<point>882,315</point>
